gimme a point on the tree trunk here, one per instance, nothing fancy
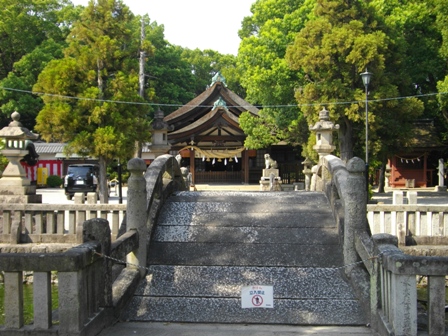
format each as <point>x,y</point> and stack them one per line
<point>381,182</point>
<point>102,180</point>
<point>100,78</point>
<point>346,139</point>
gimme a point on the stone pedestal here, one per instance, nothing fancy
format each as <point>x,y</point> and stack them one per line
<point>440,188</point>
<point>16,193</point>
<point>270,181</point>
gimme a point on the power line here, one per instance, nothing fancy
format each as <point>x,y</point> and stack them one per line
<point>243,106</point>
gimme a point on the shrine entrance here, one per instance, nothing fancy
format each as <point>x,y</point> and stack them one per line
<point>215,165</point>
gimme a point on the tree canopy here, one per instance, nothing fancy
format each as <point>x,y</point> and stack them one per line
<point>265,73</point>
<point>297,57</point>
<point>32,34</point>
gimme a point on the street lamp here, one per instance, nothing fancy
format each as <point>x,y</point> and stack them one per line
<point>366,76</point>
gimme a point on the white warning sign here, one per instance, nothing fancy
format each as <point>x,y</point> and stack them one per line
<point>257,297</point>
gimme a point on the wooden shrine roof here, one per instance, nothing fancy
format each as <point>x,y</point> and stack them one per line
<point>217,125</point>
<point>209,119</point>
<point>205,101</point>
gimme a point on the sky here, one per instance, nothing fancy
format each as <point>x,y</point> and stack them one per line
<point>203,24</point>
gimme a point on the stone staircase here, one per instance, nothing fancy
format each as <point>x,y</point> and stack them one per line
<point>207,245</point>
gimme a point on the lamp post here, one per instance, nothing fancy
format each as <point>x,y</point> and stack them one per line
<point>366,76</point>
<point>120,181</point>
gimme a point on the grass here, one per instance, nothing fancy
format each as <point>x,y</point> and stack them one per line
<point>28,305</point>
<point>422,296</point>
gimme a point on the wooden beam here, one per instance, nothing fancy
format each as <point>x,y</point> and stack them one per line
<point>192,168</point>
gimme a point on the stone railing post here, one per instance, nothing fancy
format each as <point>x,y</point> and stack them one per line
<point>136,212</point>
<point>98,229</point>
<point>355,207</point>
<point>83,291</point>
<point>314,177</point>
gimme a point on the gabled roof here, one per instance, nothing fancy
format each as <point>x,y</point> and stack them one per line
<point>203,103</point>
<point>49,147</point>
<point>210,118</point>
<point>57,148</point>
<point>219,122</point>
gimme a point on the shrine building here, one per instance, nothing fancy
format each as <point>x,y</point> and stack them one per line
<point>207,134</point>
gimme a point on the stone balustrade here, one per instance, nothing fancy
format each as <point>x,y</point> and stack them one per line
<point>421,223</point>
<point>383,276</point>
<point>88,296</point>
<point>393,291</point>
<point>54,223</point>
<point>82,243</point>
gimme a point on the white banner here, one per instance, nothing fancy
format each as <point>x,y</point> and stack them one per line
<point>257,297</point>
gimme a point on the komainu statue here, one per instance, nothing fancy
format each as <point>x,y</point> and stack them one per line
<point>270,163</point>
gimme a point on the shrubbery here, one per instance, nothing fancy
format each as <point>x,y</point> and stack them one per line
<point>54,181</point>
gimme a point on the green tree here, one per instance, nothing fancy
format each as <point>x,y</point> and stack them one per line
<point>204,64</point>
<point>176,75</point>
<point>340,42</point>
<point>32,33</point>
<point>442,23</point>
<point>265,73</point>
<point>170,81</point>
<point>25,24</point>
<point>22,79</point>
<point>100,69</point>
<point>416,41</point>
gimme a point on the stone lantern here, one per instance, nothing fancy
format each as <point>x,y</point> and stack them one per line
<point>160,128</point>
<point>15,186</point>
<point>307,171</point>
<point>324,133</point>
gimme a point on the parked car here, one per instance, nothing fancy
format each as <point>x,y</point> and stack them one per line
<point>81,178</point>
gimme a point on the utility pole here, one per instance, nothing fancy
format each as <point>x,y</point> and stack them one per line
<point>141,80</point>
<point>141,75</point>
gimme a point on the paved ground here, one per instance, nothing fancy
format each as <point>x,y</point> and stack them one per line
<point>193,329</point>
<point>57,196</point>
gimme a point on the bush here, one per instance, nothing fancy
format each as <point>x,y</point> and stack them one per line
<point>54,181</point>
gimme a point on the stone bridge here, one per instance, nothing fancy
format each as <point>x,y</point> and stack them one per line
<point>185,256</point>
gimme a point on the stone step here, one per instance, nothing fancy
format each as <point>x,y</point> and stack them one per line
<point>246,196</point>
<point>264,205</point>
<point>199,216</point>
<point>239,254</point>
<point>228,310</point>
<point>217,281</point>
<point>208,245</point>
<point>244,234</point>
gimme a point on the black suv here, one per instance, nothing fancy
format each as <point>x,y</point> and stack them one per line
<point>81,178</point>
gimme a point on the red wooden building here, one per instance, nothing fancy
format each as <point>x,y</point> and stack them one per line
<point>416,166</point>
